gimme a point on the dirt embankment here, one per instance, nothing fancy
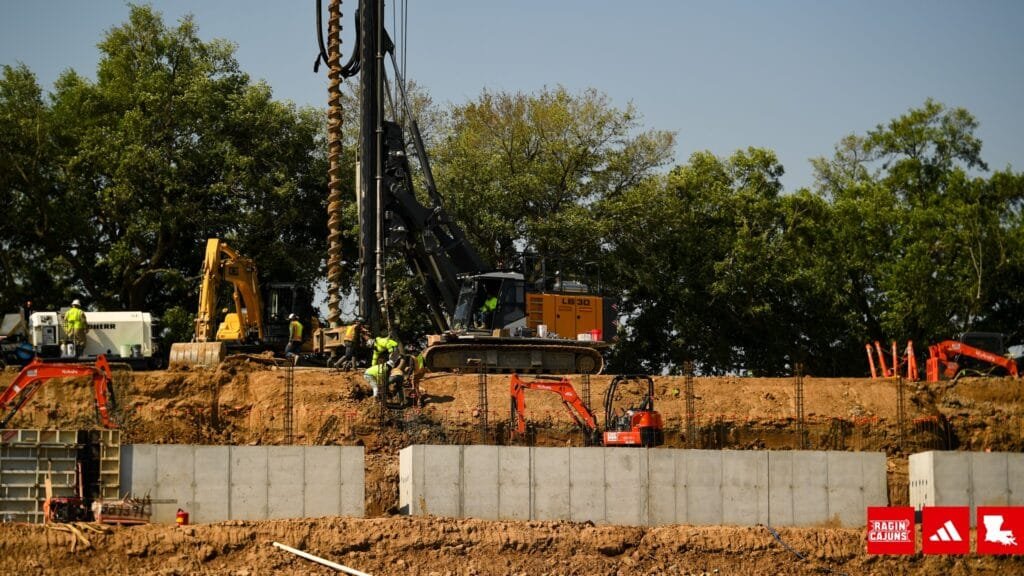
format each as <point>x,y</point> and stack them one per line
<point>244,404</point>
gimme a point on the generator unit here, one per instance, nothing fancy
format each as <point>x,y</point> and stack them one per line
<point>121,336</point>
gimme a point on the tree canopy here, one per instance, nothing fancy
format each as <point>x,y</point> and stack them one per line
<point>111,187</point>
<point>114,185</point>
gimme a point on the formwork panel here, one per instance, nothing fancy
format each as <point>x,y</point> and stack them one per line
<point>550,484</point>
<point>514,488</point>
<point>249,470</point>
<point>211,494</point>
<point>480,470</point>
<point>587,484</point>
<point>285,483</point>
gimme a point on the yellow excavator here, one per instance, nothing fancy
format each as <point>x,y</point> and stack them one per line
<point>257,323</point>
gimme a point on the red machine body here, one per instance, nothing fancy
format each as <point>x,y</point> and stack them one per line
<point>942,362</point>
<point>36,373</point>
<point>638,425</point>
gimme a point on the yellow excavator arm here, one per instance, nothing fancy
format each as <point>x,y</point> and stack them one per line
<point>222,263</point>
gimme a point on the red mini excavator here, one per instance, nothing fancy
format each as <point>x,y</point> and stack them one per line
<point>36,373</point>
<point>943,359</point>
<point>638,426</point>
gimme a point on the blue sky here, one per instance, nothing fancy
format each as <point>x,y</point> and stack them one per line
<point>792,76</point>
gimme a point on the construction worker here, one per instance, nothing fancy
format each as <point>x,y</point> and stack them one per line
<point>76,326</point>
<point>486,311</point>
<point>294,338</point>
<point>383,347</point>
<point>354,336</point>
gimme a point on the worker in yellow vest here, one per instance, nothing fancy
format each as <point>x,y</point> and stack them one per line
<point>294,338</point>
<point>76,326</point>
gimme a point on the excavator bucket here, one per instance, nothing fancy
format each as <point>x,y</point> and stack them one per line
<point>198,353</point>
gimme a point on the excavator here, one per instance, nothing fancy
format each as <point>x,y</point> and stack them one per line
<point>486,318</point>
<point>638,425</point>
<point>36,373</point>
<point>258,322</point>
<point>946,359</point>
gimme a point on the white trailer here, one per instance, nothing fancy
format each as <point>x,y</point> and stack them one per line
<point>121,336</point>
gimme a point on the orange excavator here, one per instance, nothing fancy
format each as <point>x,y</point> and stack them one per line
<point>638,426</point>
<point>37,373</point>
<point>943,360</point>
<point>582,415</point>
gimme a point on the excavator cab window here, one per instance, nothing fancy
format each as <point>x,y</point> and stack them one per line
<point>511,303</point>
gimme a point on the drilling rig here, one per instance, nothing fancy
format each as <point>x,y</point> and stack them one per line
<point>486,319</point>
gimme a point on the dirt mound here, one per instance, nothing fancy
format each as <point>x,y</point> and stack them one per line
<point>243,402</point>
<point>445,546</point>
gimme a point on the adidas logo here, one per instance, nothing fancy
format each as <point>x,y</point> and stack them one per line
<point>947,533</point>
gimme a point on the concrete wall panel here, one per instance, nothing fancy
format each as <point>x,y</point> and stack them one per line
<point>587,485</point>
<point>1015,480</point>
<point>744,487</point>
<point>211,495</point>
<point>626,484</point>
<point>810,488</point>
<point>514,485</point>
<point>649,487</point>
<point>989,486</point>
<point>249,482</point>
<point>443,491</point>
<point>285,490</point>
<point>480,482</point>
<point>174,473</point>
<point>662,492</point>
<point>703,487</point>
<point>322,481</point>
<point>410,480</point>
<point>216,483</point>
<point>551,484</point>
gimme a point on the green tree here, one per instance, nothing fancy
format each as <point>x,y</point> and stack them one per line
<point>521,171</point>
<point>170,145</point>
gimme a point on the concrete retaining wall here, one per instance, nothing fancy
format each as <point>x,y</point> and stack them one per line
<point>215,483</point>
<point>642,487</point>
<point>966,479</point>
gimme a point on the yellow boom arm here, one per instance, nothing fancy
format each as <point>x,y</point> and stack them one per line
<point>222,263</point>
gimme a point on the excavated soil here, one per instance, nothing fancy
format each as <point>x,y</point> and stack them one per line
<point>243,402</point>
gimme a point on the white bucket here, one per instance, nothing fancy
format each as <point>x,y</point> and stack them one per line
<point>125,350</point>
<point>542,330</point>
<point>583,336</point>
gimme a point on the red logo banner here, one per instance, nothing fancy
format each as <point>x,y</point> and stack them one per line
<point>946,530</point>
<point>890,530</point>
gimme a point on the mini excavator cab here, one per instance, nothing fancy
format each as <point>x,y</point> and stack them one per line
<point>640,424</point>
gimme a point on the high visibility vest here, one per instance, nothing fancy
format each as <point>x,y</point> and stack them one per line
<point>74,319</point>
<point>350,333</point>
<point>295,330</point>
<point>490,305</point>
<point>383,345</point>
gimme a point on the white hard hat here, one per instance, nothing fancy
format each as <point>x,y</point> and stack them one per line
<point>292,316</point>
<point>76,302</point>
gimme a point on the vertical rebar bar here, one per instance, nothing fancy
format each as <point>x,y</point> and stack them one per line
<point>482,405</point>
<point>585,387</point>
<point>900,412</point>
<point>691,410</point>
<point>801,424</point>
<point>289,402</point>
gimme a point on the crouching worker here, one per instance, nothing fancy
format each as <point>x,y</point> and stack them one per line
<point>373,375</point>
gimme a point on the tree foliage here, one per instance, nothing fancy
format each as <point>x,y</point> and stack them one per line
<point>111,187</point>
<point>118,182</point>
